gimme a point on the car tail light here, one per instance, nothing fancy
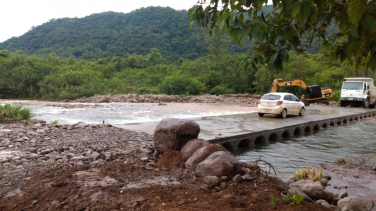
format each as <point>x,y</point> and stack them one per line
<point>279,102</point>
<point>259,102</point>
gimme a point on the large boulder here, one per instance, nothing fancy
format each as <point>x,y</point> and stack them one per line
<point>192,146</point>
<point>314,190</point>
<point>219,164</point>
<point>201,154</point>
<point>294,190</point>
<point>173,134</point>
<point>352,203</point>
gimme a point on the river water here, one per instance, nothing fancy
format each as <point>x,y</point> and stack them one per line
<point>326,146</point>
<point>354,139</point>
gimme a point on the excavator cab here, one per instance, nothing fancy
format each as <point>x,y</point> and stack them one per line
<point>313,91</point>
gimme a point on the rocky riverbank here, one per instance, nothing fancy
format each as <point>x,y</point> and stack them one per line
<point>238,99</point>
<point>100,167</point>
<point>246,100</point>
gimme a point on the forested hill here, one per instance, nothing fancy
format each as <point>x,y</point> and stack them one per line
<point>109,33</point>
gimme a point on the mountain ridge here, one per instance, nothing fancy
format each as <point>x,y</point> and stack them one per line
<point>110,33</point>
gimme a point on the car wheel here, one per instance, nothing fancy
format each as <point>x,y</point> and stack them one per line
<point>260,114</point>
<point>302,112</point>
<point>284,114</point>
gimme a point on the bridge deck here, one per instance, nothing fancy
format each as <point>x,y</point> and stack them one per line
<point>242,130</point>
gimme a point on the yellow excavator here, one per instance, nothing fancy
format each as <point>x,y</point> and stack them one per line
<point>311,94</point>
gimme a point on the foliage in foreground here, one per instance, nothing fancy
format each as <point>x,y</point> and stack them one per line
<point>305,173</point>
<point>55,122</point>
<point>15,112</point>
<point>356,161</point>
<point>295,199</point>
<point>293,25</point>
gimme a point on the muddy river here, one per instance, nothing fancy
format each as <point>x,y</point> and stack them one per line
<point>354,139</point>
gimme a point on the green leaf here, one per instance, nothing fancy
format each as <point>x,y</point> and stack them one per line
<point>369,23</point>
<point>355,10</point>
<point>254,66</point>
<point>349,50</point>
<point>295,8</point>
<point>295,41</point>
<point>229,29</point>
<point>354,31</point>
<point>372,62</point>
<point>272,59</point>
<point>272,37</point>
<point>305,9</point>
<point>221,26</point>
<point>259,3</point>
<point>273,200</point>
<point>241,18</point>
<point>213,33</point>
<point>275,3</point>
<point>262,26</point>
<point>225,14</point>
<point>318,3</point>
<point>285,56</point>
<point>191,25</point>
<point>236,34</point>
<point>233,16</point>
<point>288,32</point>
<point>245,34</point>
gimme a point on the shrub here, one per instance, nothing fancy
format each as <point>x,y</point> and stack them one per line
<point>15,111</point>
<point>54,122</point>
<point>181,84</point>
<point>336,95</point>
<point>220,90</point>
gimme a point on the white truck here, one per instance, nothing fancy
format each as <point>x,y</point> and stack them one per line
<point>358,92</point>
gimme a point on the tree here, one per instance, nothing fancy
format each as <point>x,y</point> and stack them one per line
<point>292,25</point>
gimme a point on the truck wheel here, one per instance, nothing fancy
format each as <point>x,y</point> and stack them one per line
<point>261,114</point>
<point>342,104</point>
<point>366,104</point>
<point>372,105</point>
<point>283,114</point>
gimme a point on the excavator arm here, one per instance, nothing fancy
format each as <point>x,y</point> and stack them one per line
<point>287,82</point>
<point>312,94</point>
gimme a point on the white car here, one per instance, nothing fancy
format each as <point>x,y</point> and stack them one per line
<point>280,103</point>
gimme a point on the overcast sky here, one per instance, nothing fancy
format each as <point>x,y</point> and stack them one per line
<point>18,16</point>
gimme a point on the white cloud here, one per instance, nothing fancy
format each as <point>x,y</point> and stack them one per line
<point>18,16</point>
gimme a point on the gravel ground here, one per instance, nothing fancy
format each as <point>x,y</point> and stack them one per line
<point>100,167</point>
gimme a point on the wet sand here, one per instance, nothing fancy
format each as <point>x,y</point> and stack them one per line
<point>356,180</point>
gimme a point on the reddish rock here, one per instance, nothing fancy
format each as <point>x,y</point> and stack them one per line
<point>192,146</point>
<point>173,134</point>
<point>171,159</point>
<point>202,153</point>
<point>219,164</point>
<point>237,178</point>
<point>211,181</point>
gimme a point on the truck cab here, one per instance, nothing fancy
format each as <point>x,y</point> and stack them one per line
<point>358,92</point>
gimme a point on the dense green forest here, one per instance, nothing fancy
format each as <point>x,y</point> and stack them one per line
<point>116,34</point>
<point>54,78</point>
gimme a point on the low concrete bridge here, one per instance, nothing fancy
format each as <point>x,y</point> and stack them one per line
<point>271,129</point>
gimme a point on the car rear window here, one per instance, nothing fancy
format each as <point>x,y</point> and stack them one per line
<point>271,97</point>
